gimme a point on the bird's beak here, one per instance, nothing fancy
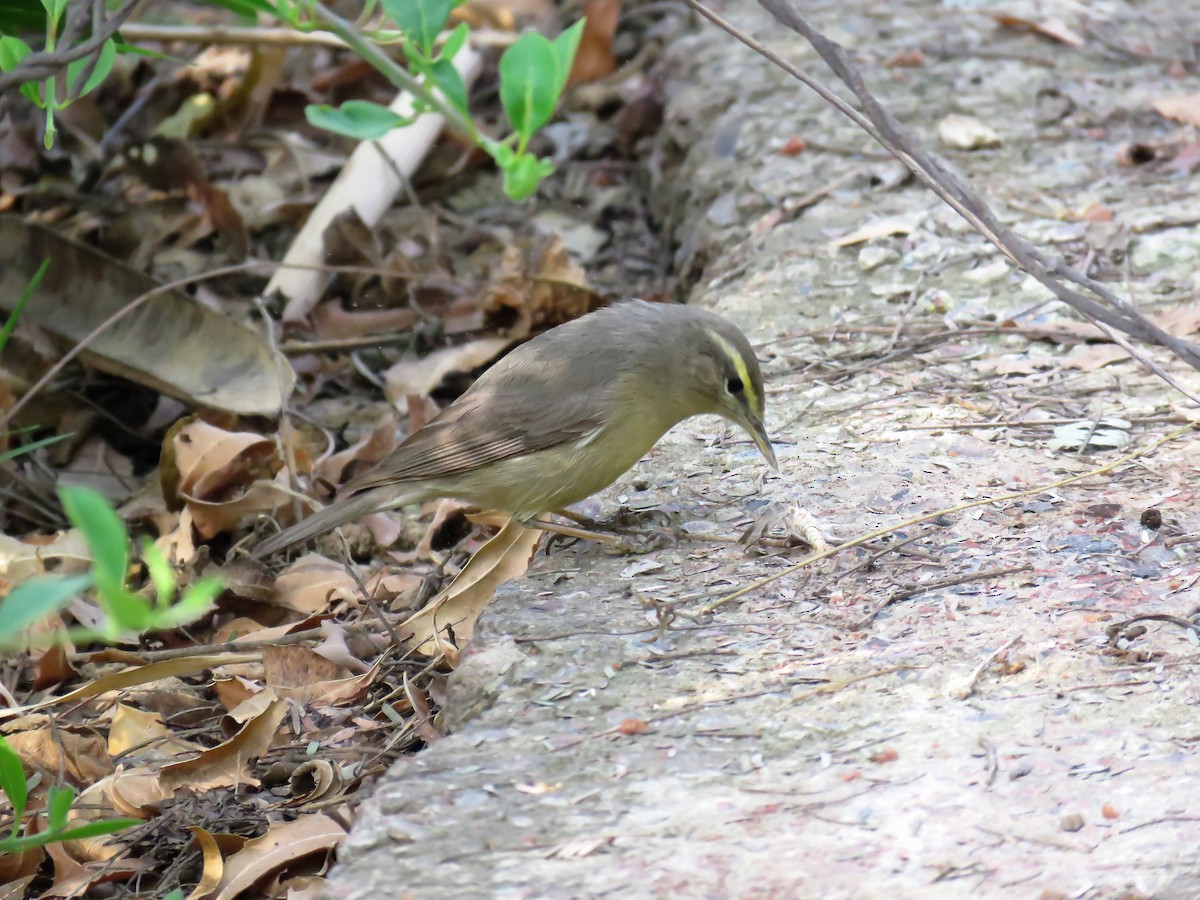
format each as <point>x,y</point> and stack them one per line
<point>759,433</point>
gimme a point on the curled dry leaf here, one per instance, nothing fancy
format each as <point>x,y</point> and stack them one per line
<point>448,622</point>
<point>282,845</point>
<point>313,780</point>
<point>82,759</point>
<point>367,451</point>
<point>127,678</point>
<point>541,292</point>
<point>214,471</point>
<point>170,343</point>
<point>67,553</point>
<point>214,863</point>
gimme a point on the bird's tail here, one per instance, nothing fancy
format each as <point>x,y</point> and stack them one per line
<point>337,513</point>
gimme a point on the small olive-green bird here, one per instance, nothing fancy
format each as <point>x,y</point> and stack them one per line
<point>563,416</point>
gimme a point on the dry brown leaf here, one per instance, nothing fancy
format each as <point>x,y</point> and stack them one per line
<point>21,560</point>
<point>312,584</point>
<point>18,867</point>
<point>1055,29</point>
<point>1089,357</point>
<point>313,780</point>
<point>81,758</point>
<point>294,666</point>
<point>15,888</point>
<point>1185,108</point>
<point>282,845</point>
<point>419,376</point>
<point>372,448</point>
<point>136,793</point>
<point>92,805</point>
<point>594,59</point>
<point>116,681</point>
<point>256,703</point>
<point>144,735</point>
<point>336,692</point>
<point>540,292</point>
<point>881,228</point>
<point>171,343</point>
<point>234,690</point>
<point>214,472</point>
<point>82,879</point>
<point>1179,320</point>
<point>457,607</point>
<point>227,764</point>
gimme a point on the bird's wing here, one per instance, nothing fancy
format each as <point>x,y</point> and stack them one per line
<point>507,415</point>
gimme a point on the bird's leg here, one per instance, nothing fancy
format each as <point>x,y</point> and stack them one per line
<point>627,542</point>
<point>635,537</point>
<point>568,531</point>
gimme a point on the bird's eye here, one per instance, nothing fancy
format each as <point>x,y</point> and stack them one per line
<point>734,385</point>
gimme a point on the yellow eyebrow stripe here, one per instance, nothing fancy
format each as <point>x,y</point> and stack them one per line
<point>739,364</point>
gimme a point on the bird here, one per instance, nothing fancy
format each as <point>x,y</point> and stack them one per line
<point>562,416</point>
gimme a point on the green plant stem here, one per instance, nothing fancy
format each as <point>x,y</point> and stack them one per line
<point>391,70</point>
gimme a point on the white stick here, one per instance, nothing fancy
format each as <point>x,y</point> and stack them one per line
<point>369,183</point>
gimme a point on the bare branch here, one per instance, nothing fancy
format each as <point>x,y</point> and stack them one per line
<point>943,179</point>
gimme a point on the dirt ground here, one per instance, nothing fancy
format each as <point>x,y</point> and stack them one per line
<point>961,716</point>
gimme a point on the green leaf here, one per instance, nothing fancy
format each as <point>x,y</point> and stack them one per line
<point>358,119</point>
<point>420,20</point>
<point>195,602</point>
<point>33,93</point>
<point>528,84</point>
<point>35,599</point>
<point>12,51</point>
<point>104,64</point>
<point>564,47</point>
<point>450,83</point>
<point>161,573</point>
<point>54,9</point>
<point>82,832</point>
<point>522,178</point>
<point>455,41</point>
<point>501,153</point>
<point>58,806</point>
<point>104,532</point>
<point>12,782</point>
<point>126,611</point>
<point>14,452</point>
<point>11,322</point>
